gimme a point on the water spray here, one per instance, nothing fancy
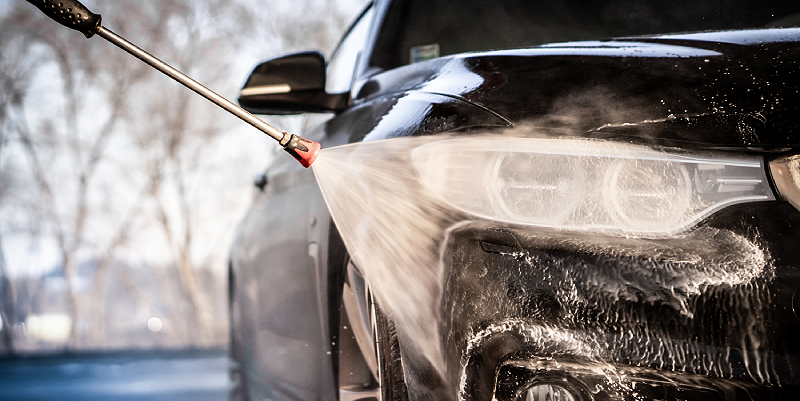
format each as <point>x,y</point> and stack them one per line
<point>74,15</point>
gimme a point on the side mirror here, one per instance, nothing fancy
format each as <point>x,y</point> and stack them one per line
<point>290,84</point>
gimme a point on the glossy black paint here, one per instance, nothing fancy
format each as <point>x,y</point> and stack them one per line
<point>712,347</point>
<point>736,91</point>
<point>732,92</point>
<point>303,74</point>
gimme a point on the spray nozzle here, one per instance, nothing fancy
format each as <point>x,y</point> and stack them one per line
<point>304,150</point>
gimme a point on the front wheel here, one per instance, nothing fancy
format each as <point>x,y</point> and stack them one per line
<point>390,364</point>
<point>370,365</point>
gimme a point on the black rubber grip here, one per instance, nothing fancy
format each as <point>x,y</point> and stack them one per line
<point>71,14</point>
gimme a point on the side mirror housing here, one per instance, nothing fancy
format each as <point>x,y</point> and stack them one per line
<point>290,84</point>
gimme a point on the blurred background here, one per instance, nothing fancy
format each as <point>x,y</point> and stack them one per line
<point>120,190</point>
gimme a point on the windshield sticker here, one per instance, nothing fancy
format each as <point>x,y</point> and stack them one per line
<point>422,53</point>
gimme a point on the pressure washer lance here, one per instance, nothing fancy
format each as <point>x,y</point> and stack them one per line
<point>72,14</point>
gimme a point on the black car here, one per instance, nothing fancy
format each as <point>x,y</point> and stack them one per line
<point>576,200</point>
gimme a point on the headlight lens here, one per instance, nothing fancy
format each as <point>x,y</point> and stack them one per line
<point>786,174</point>
<point>547,392</point>
<point>587,185</point>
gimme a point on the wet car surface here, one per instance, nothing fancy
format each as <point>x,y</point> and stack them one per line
<point>630,225</point>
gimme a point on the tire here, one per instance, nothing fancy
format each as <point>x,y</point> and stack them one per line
<point>390,363</point>
<point>370,362</point>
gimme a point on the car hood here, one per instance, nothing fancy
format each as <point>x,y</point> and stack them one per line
<point>722,89</point>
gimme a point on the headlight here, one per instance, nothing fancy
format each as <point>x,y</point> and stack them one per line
<point>546,392</point>
<point>786,175</point>
<point>587,185</point>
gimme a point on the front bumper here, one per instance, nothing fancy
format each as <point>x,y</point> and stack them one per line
<point>705,315</point>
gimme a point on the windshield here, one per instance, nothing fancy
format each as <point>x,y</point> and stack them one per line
<point>416,30</point>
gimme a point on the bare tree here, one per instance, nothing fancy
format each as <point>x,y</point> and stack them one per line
<point>6,308</point>
<point>74,139</point>
<point>111,162</point>
<point>15,77</point>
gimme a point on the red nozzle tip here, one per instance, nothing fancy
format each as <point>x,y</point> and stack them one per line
<point>310,156</point>
<point>304,150</point>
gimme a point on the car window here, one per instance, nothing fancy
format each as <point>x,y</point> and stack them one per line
<point>416,30</point>
<point>343,63</point>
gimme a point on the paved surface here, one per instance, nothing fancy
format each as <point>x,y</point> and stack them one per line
<point>186,375</point>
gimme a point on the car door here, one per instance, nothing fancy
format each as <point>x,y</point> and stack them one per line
<point>279,264</point>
